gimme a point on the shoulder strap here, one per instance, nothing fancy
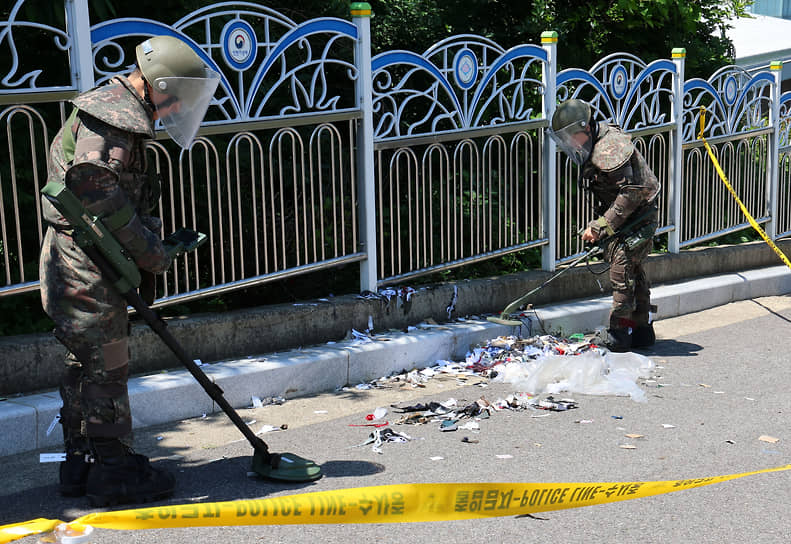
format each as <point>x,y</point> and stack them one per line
<point>69,142</point>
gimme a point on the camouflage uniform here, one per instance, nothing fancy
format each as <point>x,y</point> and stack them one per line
<point>107,175</point>
<point>623,186</point>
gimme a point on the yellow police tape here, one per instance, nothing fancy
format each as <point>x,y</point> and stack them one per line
<point>752,221</point>
<point>379,504</point>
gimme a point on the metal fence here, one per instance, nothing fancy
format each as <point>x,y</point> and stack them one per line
<point>458,133</point>
<point>314,155</point>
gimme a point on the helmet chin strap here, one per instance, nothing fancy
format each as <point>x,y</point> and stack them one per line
<point>147,96</point>
<point>594,129</point>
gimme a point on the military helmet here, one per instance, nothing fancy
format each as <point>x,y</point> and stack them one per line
<point>166,56</point>
<point>182,85</point>
<point>570,118</point>
<point>571,113</point>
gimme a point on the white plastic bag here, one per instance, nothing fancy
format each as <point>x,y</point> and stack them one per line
<point>591,373</point>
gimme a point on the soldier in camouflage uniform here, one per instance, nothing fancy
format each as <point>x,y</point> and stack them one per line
<point>624,190</point>
<point>99,156</point>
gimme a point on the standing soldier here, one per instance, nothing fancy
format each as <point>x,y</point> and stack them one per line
<point>99,156</point>
<point>624,190</point>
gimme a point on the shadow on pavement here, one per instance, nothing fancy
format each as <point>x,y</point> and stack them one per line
<point>338,469</point>
<point>669,347</point>
<point>771,311</point>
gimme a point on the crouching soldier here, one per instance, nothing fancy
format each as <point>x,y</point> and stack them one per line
<point>624,192</point>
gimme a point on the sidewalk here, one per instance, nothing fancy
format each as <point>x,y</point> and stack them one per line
<point>175,395</point>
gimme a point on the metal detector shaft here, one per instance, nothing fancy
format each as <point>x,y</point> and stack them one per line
<point>598,248</point>
<point>160,327</point>
<point>518,302</point>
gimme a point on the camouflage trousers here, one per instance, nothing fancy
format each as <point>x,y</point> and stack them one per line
<point>631,290</point>
<point>91,322</point>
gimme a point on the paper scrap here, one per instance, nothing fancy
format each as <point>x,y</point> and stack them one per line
<point>767,438</point>
<point>632,435</point>
<point>51,427</point>
<point>51,457</point>
<point>628,447</point>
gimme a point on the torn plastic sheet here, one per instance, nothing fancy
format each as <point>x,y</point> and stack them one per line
<point>592,373</point>
<point>360,337</point>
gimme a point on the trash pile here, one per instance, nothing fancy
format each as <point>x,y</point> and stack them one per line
<point>539,367</point>
<point>543,364</point>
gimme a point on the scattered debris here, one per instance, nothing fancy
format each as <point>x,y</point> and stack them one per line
<point>380,436</point>
<point>769,439</point>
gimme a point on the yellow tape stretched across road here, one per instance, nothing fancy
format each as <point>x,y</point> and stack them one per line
<point>752,221</point>
<point>380,504</point>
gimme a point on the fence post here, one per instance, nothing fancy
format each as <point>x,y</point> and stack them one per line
<point>549,41</point>
<point>78,26</point>
<point>773,189</point>
<point>366,189</point>
<point>678,55</point>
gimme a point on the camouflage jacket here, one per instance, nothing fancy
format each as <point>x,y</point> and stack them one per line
<point>618,178</point>
<point>107,172</point>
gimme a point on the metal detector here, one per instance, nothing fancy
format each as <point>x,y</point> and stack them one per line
<point>275,466</point>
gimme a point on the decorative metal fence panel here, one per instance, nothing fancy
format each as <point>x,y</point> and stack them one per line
<point>271,179</point>
<point>31,103</point>
<point>737,108</point>
<point>783,209</point>
<point>458,134</point>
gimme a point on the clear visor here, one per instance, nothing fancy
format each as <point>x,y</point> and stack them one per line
<point>574,142</point>
<point>181,103</point>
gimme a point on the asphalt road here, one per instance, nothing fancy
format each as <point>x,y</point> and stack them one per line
<point>722,382</point>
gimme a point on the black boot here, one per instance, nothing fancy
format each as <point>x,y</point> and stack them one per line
<point>74,473</point>
<point>618,340</point>
<point>643,336</point>
<point>120,476</point>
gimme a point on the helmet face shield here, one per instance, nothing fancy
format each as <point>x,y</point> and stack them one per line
<point>181,103</point>
<point>575,141</point>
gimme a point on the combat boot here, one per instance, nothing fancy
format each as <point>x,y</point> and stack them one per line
<point>74,473</point>
<point>618,340</point>
<point>643,336</point>
<point>618,337</point>
<point>120,476</point>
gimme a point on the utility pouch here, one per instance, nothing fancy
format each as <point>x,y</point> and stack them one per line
<point>89,230</point>
<point>640,236</point>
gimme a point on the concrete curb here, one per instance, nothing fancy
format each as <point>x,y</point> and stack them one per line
<point>175,395</point>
